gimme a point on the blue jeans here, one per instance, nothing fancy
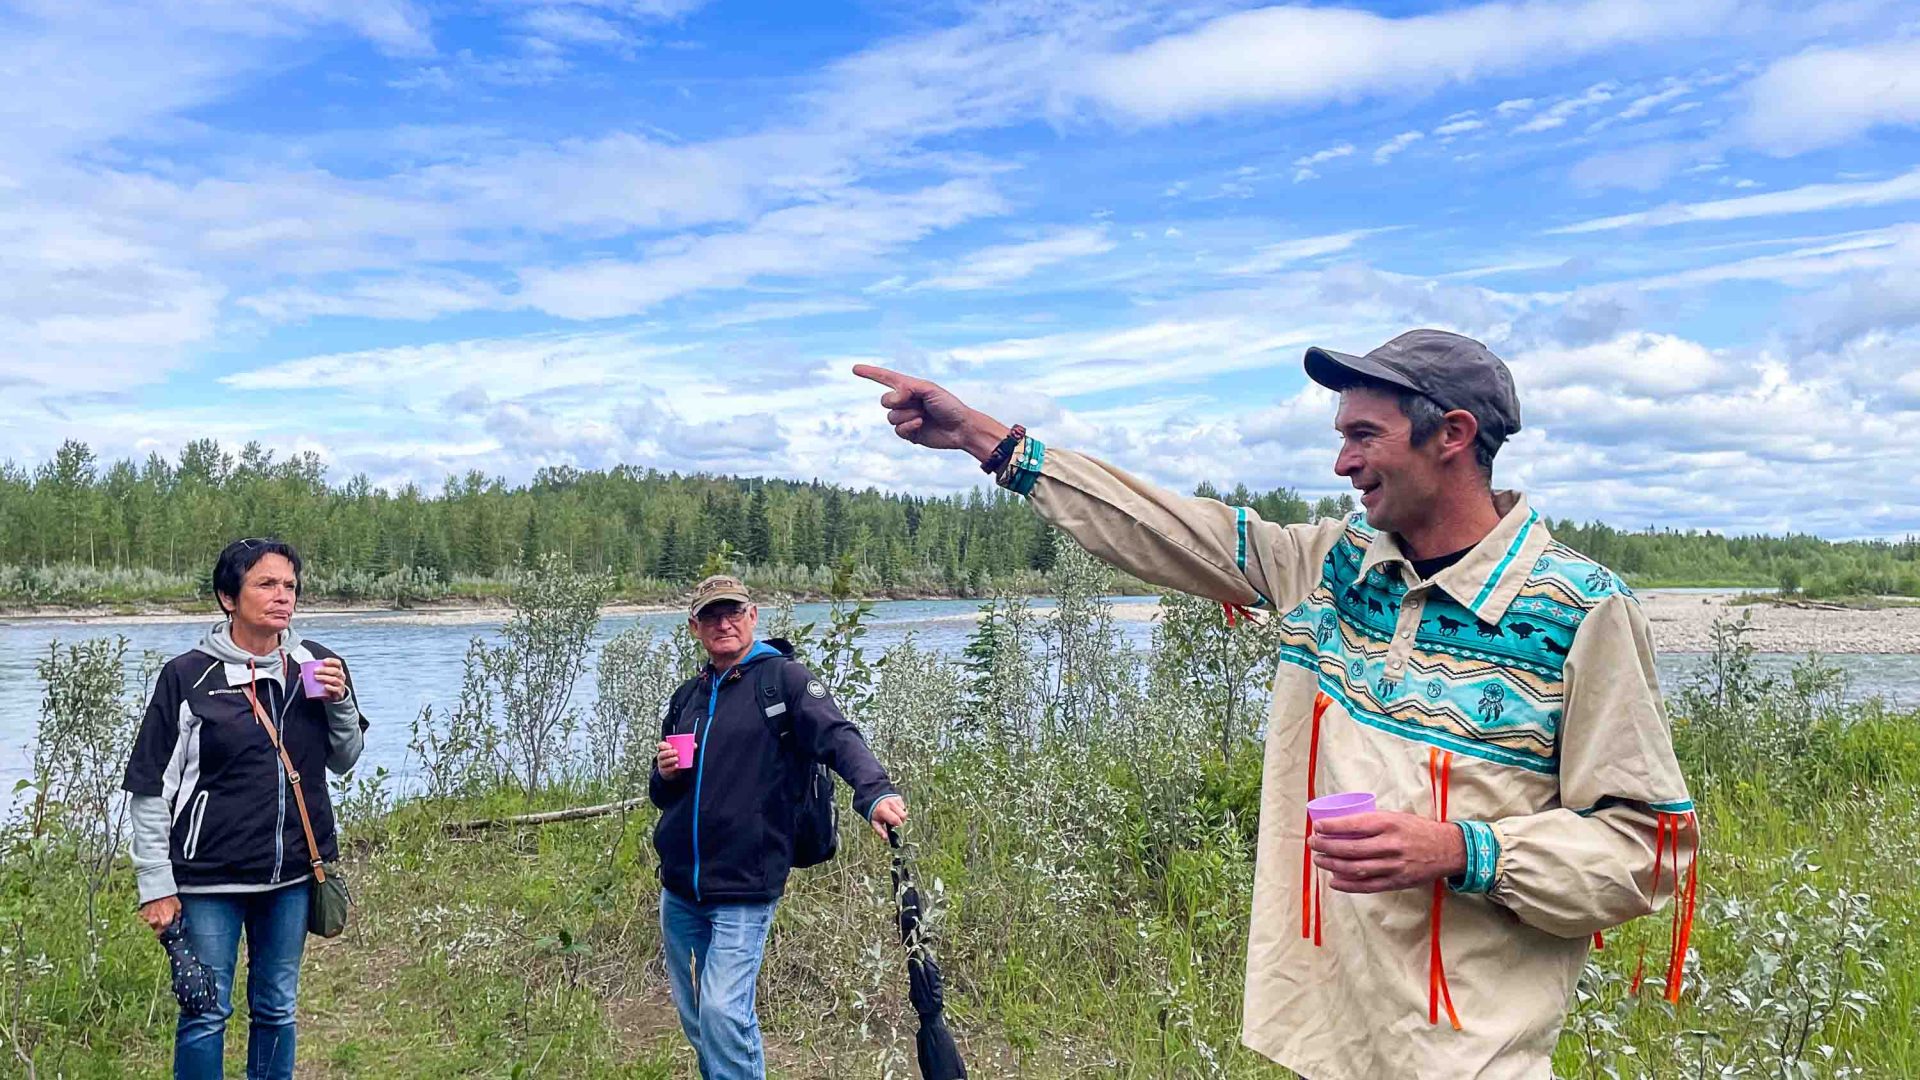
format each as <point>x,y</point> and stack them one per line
<point>276,927</point>
<point>713,961</point>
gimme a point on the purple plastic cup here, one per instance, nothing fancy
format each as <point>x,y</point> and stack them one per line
<point>310,679</point>
<point>1347,803</point>
<point>683,745</point>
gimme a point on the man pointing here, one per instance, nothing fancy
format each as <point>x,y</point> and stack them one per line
<point>1491,687</point>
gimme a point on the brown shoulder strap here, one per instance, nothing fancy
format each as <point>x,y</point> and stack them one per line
<point>293,777</point>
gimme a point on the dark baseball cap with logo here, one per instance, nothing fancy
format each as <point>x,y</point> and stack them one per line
<point>1452,371</point>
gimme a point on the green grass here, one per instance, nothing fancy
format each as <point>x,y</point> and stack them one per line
<point>1091,909</point>
<point>532,952</point>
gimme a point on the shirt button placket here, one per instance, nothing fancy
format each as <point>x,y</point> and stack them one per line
<point>1408,627</point>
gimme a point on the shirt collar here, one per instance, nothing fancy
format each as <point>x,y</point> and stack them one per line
<point>1493,571</point>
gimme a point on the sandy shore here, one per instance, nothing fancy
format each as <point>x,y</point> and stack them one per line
<point>1683,622</point>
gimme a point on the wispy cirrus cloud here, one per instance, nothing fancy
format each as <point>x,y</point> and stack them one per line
<point>1810,198</point>
<point>1003,264</point>
<point>1386,151</point>
<point>1303,166</point>
<point>1290,252</point>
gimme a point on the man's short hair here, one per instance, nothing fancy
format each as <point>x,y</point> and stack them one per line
<point>1425,418</point>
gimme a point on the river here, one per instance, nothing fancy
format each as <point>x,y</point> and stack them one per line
<point>405,660</point>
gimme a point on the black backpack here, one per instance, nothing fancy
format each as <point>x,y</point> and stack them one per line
<point>816,824</point>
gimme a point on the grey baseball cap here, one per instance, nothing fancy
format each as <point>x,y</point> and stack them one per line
<point>1452,371</point>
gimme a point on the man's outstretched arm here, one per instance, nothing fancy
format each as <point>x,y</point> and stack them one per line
<point>1199,546</point>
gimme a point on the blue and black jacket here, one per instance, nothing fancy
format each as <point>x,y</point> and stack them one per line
<point>726,825</point>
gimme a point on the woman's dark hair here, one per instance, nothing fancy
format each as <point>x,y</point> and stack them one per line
<point>230,570</point>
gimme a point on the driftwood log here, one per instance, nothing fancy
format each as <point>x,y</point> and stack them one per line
<point>1813,605</point>
<point>545,817</point>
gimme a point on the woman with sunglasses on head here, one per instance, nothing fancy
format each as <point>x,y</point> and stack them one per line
<point>219,833</point>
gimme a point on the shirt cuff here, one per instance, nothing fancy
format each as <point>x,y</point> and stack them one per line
<point>1022,469</point>
<point>881,799</point>
<point>155,882</point>
<point>1483,859</point>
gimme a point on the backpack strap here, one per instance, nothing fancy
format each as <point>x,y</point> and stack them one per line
<point>678,702</point>
<point>773,700</point>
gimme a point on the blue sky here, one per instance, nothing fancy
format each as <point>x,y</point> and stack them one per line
<point>420,238</point>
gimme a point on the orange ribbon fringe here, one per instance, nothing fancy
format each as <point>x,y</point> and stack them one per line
<point>1312,891</point>
<point>1685,898</point>
<point>1439,770</point>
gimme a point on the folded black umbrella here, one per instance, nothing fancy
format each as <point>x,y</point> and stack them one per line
<point>192,979</point>
<point>939,1057</point>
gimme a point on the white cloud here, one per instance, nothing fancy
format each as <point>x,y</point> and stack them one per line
<point>1278,256</point>
<point>1004,263</point>
<point>502,368</point>
<point>1642,106</point>
<point>795,241</point>
<point>1827,96</point>
<point>1337,54</point>
<point>1557,114</point>
<point>412,297</point>
<point>1513,105</point>
<point>1302,422</point>
<point>1459,127</point>
<point>1812,198</point>
<point>749,441</point>
<point>1386,150</point>
<point>1642,167</point>
<point>79,75</point>
<point>81,299</point>
<point>1633,363</point>
<point>1303,165</point>
<point>1328,154</point>
<point>780,310</point>
<point>575,27</point>
<point>1869,251</point>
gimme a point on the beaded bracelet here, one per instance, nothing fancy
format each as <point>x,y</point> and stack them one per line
<point>998,459</point>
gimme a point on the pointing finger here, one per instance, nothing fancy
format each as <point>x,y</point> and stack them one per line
<point>885,376</point>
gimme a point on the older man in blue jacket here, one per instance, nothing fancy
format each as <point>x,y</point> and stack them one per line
<point>728,816</point>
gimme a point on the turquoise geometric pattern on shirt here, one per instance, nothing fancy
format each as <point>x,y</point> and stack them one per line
<point>1491,690</point>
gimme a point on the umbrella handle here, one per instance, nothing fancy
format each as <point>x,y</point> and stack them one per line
<point>893,837</point>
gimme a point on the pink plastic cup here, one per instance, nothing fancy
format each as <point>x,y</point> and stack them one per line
<point>310,679</point>
<point>1345,804</point>
<point>683,745</point>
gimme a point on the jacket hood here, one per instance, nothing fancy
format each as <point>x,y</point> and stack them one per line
<point>218,643</point>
